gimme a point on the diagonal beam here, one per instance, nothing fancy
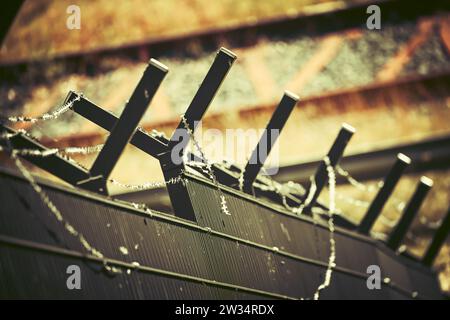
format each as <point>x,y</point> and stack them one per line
<point>107,121</point>
<point>124,129</point>
<point>383,194</point>
<point>396,237</point>
<point>54,163</point>
<point>334,155</point>
<point>205,94</point>
<point>268,139</point>
<point>172,161</point>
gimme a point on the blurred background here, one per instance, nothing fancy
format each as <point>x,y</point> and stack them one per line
<point>391,84</point>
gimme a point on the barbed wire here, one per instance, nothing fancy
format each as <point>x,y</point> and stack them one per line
<point>85,150</point>
<point>399,204</point>
<point>82,150</point>
<point>53,151</point>
<point>357,184</point>
<point>212,176</point>
<point>281,189</point>
<point>206,167</point>
<point>7,135</point>
<point>241,179</point>
<point>353,201</point>
<point>46,116</point>
<point>151,185</point>
<point>55,211</point>
<point>199,165</point>
<point>430,224</point>
<point>148,185</point>
<point>331,209</point>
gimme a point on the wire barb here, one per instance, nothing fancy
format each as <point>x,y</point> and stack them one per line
<point>56,212</point>
<point>331,210</point>
<point>209,170</point>
<point>46,116</point>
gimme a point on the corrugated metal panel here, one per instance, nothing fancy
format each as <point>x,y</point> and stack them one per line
<point>259,223</point>
<point>171,244</point>
<point>44,276</point>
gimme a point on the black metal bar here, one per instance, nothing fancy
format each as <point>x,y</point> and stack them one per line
<point>153,146</point>
<point>124,129</point>
<point>205,93</point>
<point>383,194</point>
<point>54,163</point>
<point>268,139</point>
<point>179,196</point>
<point>107,121</point>
<point>411,210</point>
<point>335,153</point>
<point>438,240</point>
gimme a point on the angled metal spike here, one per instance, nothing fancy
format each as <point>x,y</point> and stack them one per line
<point>204,95</point>
<point>153,146</point>
<point>179,196</point>
<point>53,163</point>
<point>395,238</point>
<point>438,240</point>
<point>383,194</point>
<point>334,155</point>
<point>124,129</point>
<point>268,139</point>
<point>107,121</point>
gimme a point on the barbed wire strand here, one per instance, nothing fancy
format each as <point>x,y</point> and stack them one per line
<point>357,184</point>
<point>148,185</point>
<point>332,206</point>
<point>55,211</point>
<point>223,201</point>
<point>46,116</point>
